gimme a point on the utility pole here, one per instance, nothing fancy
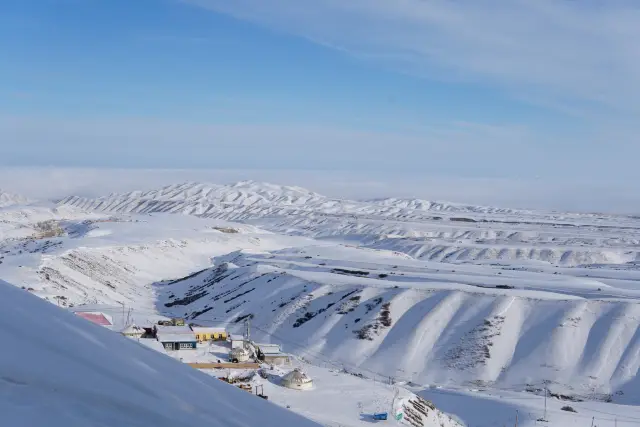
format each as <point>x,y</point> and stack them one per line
<point>545,401</point>
<point>247,333</point>
<point>123,320</point>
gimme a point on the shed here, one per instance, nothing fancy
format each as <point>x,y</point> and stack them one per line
<point>297,380</point>
<point>176,337</point>
<point>275,358</point>
<point>268,348</point>
<point>237,341</point>
<point>133,331</point>
<point>238,355</point>
<point>204,333</point>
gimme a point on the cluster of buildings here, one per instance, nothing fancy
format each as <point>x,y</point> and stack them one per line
<point>185,337</point>
<point>175,335</point>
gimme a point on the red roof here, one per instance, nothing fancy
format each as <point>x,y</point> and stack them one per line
<point>97,318</point>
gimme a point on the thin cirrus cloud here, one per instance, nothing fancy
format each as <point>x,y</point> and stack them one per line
<point>153,143</point>
<point>576,55</point>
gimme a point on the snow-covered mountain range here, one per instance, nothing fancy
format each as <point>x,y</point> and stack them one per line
<point>10,199</point>
<point>428,293</point>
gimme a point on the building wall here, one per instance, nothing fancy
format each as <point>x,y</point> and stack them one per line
<point>299,386</point>
<point>276,360</point>
<point>134,335</point>
<point>179,345</point>
<point>215,336</point>
<point>237,344</point>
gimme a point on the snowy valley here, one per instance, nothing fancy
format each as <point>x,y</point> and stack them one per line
<point>477,309</point>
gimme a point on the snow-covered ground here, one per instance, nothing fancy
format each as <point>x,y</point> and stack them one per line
<point>336,399</point>
<point>429,293</point>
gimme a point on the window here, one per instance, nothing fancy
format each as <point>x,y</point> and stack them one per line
<point>198,337</point>
<point>185,345</point>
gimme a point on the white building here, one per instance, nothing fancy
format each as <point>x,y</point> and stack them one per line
<point>272,354</point>
<point>176,337</point>
<point>238,355</point>
<point>297,380</point>
<point>237,341</point>
<point>132,331</point>
<point>268,348</point>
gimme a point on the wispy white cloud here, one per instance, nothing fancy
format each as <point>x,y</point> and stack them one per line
<point>563,53</point>
<point>452,148</point>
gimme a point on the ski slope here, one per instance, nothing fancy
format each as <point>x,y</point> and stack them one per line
<point>62,371</point>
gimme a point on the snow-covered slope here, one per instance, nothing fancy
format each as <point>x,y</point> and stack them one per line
<point>61,371</point>
<point>196,197</point>
<point>341,399</point>
<point>9,199</point>
<point>73,257</point>
<point>423,292</point>
<point>425,230</point>
<point>502,328</point>
<point>250,199</point>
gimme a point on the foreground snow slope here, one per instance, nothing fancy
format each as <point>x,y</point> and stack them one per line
<point>61,371</point>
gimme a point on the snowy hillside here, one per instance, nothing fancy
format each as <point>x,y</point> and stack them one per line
<point>201,198</point>
<point>9,199</point>
<point>503,328</point>
<point>66,372</point>
<point>249,199</point>
<point>425,293</point>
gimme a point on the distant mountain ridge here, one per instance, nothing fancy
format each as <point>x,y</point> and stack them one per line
<point>10,199</point>
<point>247,200</point>
<point>252,194</point>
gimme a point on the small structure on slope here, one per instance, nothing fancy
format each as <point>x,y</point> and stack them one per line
<point>272,354</point>
<point>133,331</point>
<point>237,341</point>
<point>176,337</point>
<point>239,355</point>
<point>297,380</point>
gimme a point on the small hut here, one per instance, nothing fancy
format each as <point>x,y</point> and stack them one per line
<point>297,380</point>
<point>239,355</point>
<point>133,331</point>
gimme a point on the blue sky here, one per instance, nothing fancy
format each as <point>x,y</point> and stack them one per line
<point>488,89</point>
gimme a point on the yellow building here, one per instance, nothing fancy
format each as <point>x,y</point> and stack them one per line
<point>209,334</point>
